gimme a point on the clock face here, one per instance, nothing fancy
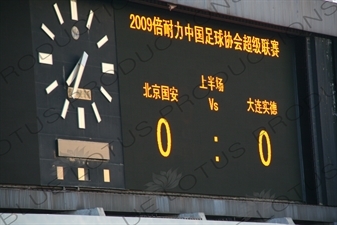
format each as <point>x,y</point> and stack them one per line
<point>73,80</point>
<point>77,95</point>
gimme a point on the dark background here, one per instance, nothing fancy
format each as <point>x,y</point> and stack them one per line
<point>17,97</point>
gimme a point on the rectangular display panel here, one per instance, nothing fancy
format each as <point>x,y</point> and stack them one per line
<point>207,106</point>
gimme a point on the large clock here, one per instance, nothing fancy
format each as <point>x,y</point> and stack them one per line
<point>77,93</point>
<point>81,54</point>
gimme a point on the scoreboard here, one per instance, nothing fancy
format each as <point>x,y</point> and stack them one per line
<point>146,97</point>
<point>207,106</point>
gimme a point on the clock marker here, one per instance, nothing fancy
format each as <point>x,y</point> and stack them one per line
<point>52,86</point>
<point>106,94</point>
<point>91,15</point>
<point>94,107</point>
<point>80,72</point>
<point>73,6</point>
<point>108,68</point>
<point>47,31</point>
<point>65,109</point>
<point>72,76</point>
<point>58,13</point>
<point>102,41</point>
<point>45,58</point>
<point>81,118</point>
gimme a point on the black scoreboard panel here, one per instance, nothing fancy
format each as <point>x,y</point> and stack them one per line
<point>204,105</point>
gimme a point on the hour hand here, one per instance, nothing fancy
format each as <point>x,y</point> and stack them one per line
<point>81,67</point>
<point>73,74</point>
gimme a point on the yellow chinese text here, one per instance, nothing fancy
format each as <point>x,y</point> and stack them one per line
<point>212,83</point>
<point>160,92</point>
<point>205,35</point>
<point>262,106</point>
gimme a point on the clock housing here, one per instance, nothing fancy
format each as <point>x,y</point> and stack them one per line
<point>64,154</point>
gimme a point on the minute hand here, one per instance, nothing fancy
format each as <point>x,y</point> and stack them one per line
<point>80,73</point>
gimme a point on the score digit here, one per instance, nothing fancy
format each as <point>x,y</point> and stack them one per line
<point>262,134</point>
<point>167,152</point>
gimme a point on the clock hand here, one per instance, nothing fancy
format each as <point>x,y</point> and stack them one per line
<point>72,76</point>
<point>82,63</point>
